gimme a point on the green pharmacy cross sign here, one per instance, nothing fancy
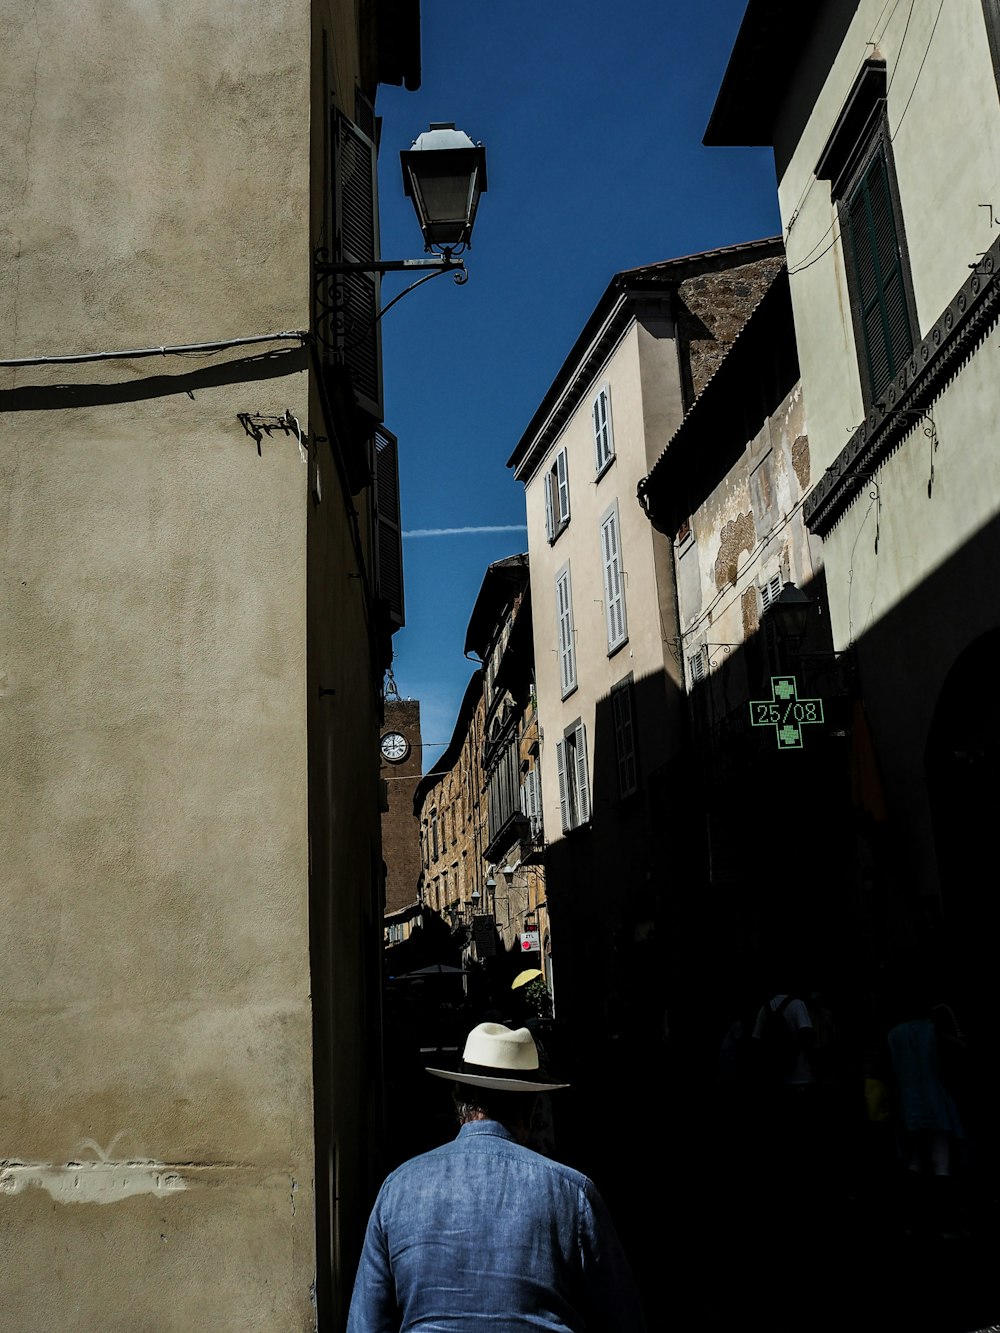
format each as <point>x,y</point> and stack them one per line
<point>786,712</point>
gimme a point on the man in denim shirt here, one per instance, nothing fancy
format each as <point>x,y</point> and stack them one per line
<point>483,1232</point>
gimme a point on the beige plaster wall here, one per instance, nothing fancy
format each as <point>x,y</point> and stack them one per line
<point>155,982</point>
<point>629,369</point>
<point>156,1163</point>
<point>154,172</point>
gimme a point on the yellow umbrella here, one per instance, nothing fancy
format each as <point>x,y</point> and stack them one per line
<point>524,977</point>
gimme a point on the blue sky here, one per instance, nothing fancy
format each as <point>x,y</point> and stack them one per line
<point>592,116</point>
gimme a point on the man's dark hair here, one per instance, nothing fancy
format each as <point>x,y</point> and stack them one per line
<point>509,1108</point>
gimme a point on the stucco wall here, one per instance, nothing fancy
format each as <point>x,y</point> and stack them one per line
<point>903,558</point>
<point>155,992</point>
<point>155,978</point>
<point>944,121</point>
<point>631,365</point>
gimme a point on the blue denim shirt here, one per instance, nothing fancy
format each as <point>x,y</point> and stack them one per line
<point>485,1232</point>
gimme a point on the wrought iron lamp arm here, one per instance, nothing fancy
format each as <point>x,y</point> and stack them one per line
<point>439,263</point>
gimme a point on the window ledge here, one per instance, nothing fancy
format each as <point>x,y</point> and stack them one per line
<point>604,468</point>
<point>613,652</point>
<point>571,691</point>
<point>558,532</point>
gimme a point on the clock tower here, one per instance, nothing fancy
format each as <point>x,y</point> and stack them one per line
<point>400,755</point>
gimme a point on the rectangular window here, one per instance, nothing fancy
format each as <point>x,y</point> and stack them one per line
<point>574,777</point>
<point>875,262</point>
<point>857,161</point>
<point>604,443</point>
<point>503,793</point>
<point>614,581</point>
<point>567,641</point>
<point>623,708</point>
<point>557,496</point>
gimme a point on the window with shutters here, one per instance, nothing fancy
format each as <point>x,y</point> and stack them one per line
<point>614,580</point>
<point>565,633</point>
<point>556,482</point>
<point>857,160</point>
<point>503,790</point>
<point>623,710</point>
<point>574,777</point>
<point>604,440</point>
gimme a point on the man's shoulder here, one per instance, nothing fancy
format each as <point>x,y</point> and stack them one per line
<point>485,1146</point>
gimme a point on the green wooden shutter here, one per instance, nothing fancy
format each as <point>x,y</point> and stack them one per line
<point>878,269</point>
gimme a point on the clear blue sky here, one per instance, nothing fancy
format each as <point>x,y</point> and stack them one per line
<point>592,115</point>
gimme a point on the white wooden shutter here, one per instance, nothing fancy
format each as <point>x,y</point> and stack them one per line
<point>614,589</point>
<point>561,767</point>
<point>603,446</point>
<point>696,667</point>
<point>770,592</point>
<point>564,615</point>
<point>562,487</point>
<point>582,776</point>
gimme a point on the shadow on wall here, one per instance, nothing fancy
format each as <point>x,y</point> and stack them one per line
<point>863,849</point>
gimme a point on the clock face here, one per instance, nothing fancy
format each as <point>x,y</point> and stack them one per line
<point>394,747</point>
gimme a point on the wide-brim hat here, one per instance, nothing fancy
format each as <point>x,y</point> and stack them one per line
<point>498,1058</point>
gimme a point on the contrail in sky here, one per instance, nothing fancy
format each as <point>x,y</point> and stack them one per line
<point>462,532</point>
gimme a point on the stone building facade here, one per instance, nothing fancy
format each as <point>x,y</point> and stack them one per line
<point>450,805</point>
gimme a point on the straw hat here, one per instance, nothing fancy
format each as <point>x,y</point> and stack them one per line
<point>495,1057</point>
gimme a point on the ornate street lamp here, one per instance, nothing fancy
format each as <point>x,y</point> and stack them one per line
<point>444,173</point>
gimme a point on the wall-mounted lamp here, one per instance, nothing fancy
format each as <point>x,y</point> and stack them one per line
<point>444,173</point>
<point>790,611</point>
<point>475,896</point>
<point>508,872</point>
